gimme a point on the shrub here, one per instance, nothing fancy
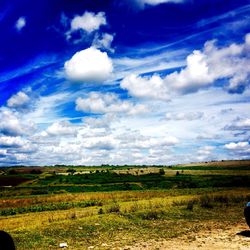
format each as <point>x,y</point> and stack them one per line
<point>161,171</point>
<point>190,205</point>
<point>115,208</point>
<point>135,207</point>
<point>100,211</point>
<point>206,201</point>
<point>72,216</point>
<point>71,170</point>
<point>35,171</point>
<point>13,171</point>
<point>39,191</point>
<point>221,199</point>
<point>151,214</point>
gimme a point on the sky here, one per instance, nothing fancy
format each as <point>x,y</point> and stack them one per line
<point>90,82</point>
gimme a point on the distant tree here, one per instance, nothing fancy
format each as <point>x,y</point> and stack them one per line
<point>177,173</point>
<point>36,171</point>
<point>161,171</point>
<point>71,170</point>
<point>13,171</point>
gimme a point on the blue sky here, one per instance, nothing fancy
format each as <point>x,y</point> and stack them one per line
<point>124,82</point>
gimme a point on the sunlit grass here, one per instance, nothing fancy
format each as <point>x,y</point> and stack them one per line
<point>121,222</point>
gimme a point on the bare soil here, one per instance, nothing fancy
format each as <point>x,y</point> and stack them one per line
<point>216,238</point>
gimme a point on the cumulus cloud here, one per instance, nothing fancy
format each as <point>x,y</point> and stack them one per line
<point>20,23</point>
<point>63,128</point>
<point>107,103</point>
<point>102,143</point>
<point>19,100</point>
<point>156,142</point>
<point>11,124</point>
<point>203,68</point>
<point>238,146</point>
<point>185,116</point>
<point>89,65</point>
<point>101,122</point>
<point>9,141</point>
<point>88,22</point>
<point>144,87</point>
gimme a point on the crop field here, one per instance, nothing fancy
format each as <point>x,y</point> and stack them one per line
<point>125,207</point>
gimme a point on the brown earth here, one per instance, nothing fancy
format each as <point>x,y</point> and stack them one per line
<point>217,238</point>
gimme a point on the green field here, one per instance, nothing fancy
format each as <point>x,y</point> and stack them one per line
<point>107,207</point>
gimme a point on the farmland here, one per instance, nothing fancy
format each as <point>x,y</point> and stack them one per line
<point>116,207</point>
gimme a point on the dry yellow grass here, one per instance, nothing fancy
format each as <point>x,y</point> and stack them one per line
<point>127,202</point>
<point>232,163</point>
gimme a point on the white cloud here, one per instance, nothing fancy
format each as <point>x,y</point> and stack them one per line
<point>3,152</point>
<point>101,122</point>
<point>206,150</point>
<point>202,69</point>
<point>46,109</point>
<point>238,146</point>
<point>194,76</point>
<point>63,128</point>
<point>102,143</point>
<point>107,103</point>
<point>142,3</point>
<point>12,124</point>
<point>239,124</point>
<point>89,65</point>
<point>103,42</point>
<point>19,100</point>
<point>184,116</point>
<point>140,61</point>
<point>20,23</point>
<point>156,142</point>
<point>247,39</point>
<point>9,141</point>
<point>88,22</point>
<point>143,87</point>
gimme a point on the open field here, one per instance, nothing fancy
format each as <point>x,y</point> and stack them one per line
<point>127,208</point>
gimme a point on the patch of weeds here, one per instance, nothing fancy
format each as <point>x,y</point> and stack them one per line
<point>135,207</point>
<point>222,199</point>
<point>178,203</point>
<point>190,205</point>
<point>72,216</point>
<point>206,201</point>
<point>151,214</point>
<point>114,208</point>
<point>100,211</point>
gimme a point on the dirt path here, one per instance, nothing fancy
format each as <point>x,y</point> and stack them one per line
<point>236,237</point>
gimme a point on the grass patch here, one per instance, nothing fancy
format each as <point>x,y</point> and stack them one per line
<point>49,207</point>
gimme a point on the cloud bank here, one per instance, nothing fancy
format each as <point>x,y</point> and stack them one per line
<point>203,68</point>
